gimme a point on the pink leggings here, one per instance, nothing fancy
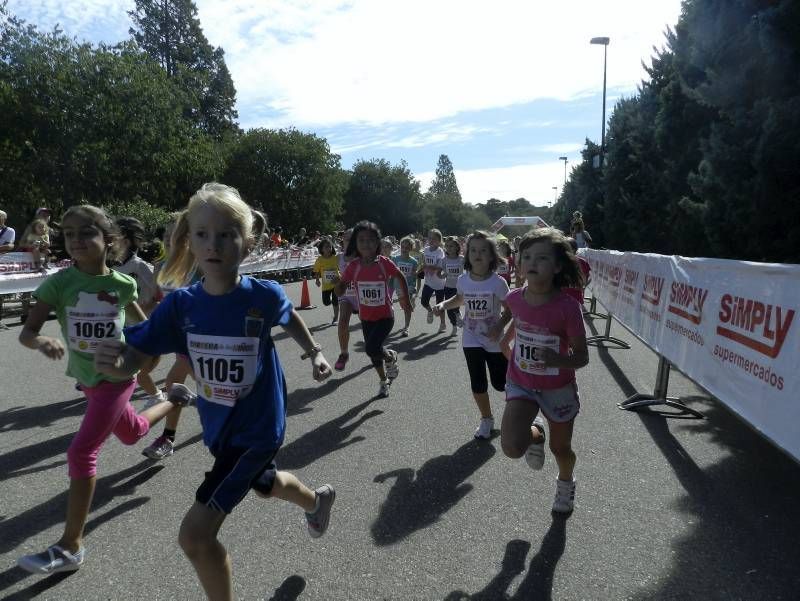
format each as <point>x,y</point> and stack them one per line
<point>108,411</point>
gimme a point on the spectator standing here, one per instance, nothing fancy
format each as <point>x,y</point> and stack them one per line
<point>7,234</point>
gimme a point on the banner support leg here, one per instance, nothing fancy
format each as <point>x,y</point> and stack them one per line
<point>659,396</point>
<point>607,337</point>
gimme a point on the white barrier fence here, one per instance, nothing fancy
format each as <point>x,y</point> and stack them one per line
<point>728,325</point>
<point>18,273</point>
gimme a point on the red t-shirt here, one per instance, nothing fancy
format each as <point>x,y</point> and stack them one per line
<point>547,325</point>
<point>374,300</point>
<point>577,293</point>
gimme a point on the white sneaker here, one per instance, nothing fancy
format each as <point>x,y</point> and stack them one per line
<point>454,331</point>
<point>383,391</point>
<point>442,328</point>
<point>154,399</point>
<point>392,368</point>
<point>565,496</point>
<point>429,318</point>
<point>534,456</point>
<point>459,320</point>
<point>484,430</point>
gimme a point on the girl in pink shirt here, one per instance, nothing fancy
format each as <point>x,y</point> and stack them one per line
<point>549,345</point>
<point>371,274</point>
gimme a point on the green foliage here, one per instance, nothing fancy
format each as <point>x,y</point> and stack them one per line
<point>444,183</point>
<point>292,176</point>
<point>170,33</point>
<point>151,216</point>
<point>384,193</point>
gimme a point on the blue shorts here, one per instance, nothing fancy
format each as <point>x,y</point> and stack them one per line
<point>235,471</point>
<point>558,405</point>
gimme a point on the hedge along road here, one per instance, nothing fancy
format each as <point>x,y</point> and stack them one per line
<point>667,506</point>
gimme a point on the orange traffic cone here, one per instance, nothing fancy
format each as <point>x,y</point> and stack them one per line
<point>305,298</point>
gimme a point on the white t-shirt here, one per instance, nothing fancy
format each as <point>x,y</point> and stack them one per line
<point>433,260</point>
<point>582,239</point>
<point>481,308</point>
<point>7,236</point>
<point>453,268</point>
<point>141,271</point>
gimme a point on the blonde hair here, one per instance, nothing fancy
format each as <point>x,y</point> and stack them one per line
<point>225,199</point>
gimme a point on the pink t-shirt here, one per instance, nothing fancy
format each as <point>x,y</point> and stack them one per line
<point>547,325</point>
<point>374,300</point>
<point>577,293</point>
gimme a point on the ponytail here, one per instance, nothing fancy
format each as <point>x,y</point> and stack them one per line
<point>180,262</point>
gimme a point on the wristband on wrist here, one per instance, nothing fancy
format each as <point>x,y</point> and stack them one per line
<point>312,352</point>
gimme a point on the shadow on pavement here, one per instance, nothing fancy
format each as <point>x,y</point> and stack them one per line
<point>15,574</point>
<point>298,400</point>
<point>743,508</point>
<point>424,345</point>
<point>289,590</point>
<point>538,582</point>
<point>328,438</point>
<point>27,524</point>
<point>11,464</point>
<point>418,500</point>
<point>40,416</point>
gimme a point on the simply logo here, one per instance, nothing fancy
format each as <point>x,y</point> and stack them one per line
<point>653,287</point>
<point>687,301</point>
<point>614,276</point>
<point>631,279</point>
<point>756,325</point>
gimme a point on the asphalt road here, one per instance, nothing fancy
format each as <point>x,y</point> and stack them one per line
<point>668,506</point>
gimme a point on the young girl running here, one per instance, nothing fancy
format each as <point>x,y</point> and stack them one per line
<point>408,266</point>
<point>132,232</point>
<point>91,303</point>
<point>223,323</point>
<point>348,304</point>
<point>371,274</point>
<point>482,292</point>
<point>549,345</point>
<point>505,269</point>
<point>453,266</point>
<point>326,268</point>
<point>433,257</point>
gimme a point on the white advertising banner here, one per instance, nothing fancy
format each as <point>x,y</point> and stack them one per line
<point>530,220</point>
<point>731,326</point>
<point>280,259</point>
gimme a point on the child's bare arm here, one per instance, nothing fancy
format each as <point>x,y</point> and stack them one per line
<point>296,328</point>
<point>30,336</point>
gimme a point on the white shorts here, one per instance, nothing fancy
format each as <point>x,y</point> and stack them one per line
<point>559,405</point>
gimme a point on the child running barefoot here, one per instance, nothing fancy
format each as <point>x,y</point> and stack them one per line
<point>549,345</point>
<point>91,302</point>
<point>408,266</point>
<point>371,274</point>
<point>147,290</point>
<point>348,304</point>
<point>326,268</point>
<point>433,257</point>
<point>453,266</point>
<point>223,323</point>
<point>482,292</point>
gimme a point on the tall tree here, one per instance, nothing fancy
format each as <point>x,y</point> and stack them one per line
<point>445,180</point>
<point>170,33</point>
<point>384,193</point>
<point>291,175</point>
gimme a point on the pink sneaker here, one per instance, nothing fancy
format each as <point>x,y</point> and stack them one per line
<point>341,362</point>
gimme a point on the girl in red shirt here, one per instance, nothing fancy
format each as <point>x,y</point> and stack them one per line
<point>371,274</point>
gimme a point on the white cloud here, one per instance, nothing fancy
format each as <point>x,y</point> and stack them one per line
<point>533,181</point>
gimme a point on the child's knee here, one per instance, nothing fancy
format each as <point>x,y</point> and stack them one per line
<point>81,462</point>
<point>559,448</point>
<point>511,447</point>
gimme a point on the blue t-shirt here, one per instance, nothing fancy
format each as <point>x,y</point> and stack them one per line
<point>240,384</point>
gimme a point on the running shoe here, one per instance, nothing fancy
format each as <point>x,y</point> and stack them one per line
<point>484,431</point>
<point>459,320</point>
<point>161,447</point>
<point>318,520</point>
<point>565,496</point>
<point>53,560</point>
<point>429,319</point>
<point>404,333</point>
<point>454,331</point>
<point>334,322</point>
<point>341,362</point>
<point>181,396</point>
<point>392,368</point>
<point>442,328</point>
<point>535,453</point>
<point>383,391</point>
<point>154,399</point>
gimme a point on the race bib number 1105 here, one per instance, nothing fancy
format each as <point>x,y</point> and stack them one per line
<point>225,366</point>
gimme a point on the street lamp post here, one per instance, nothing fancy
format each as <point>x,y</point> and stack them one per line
<point>604,42</point>
<point>565,168</point>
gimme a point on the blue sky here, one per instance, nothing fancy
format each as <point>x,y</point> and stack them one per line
<point>503,87</point>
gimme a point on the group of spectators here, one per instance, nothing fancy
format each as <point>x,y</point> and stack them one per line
<point>35,238</point>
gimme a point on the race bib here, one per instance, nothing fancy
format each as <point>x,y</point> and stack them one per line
<point>371,294</point>
<point>527,345</point>
<point>95,317</point>
<point>329,276</point>
<point>225,367</point>
<point>430,261</point>
<point>406,268</point>
<point>454,270</point>
<point>478,305</point>
<point>502,269</point>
